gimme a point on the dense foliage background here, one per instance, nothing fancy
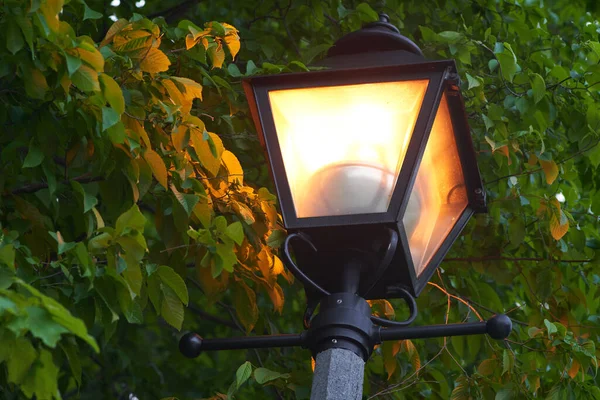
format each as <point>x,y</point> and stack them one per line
<point>135,202</point>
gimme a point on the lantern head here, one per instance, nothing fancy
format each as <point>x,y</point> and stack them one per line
<point>372,157</point>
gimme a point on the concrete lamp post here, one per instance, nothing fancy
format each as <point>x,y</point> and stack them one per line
<point>376,176</point>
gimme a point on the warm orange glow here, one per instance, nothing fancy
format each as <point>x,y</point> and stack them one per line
<point>343,146</point>
<point>439,195</point>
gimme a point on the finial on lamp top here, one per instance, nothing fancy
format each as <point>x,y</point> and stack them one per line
<point>375,36</point>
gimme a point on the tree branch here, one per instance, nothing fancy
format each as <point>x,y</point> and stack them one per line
<point>493,258</point>
<point>209,317</point>
<point>540,169</point>
<point>34,187</point>
<point>172,13</point>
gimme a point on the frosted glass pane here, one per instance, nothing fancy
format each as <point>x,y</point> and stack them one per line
<point>343,146</point>
<point>439,195</point>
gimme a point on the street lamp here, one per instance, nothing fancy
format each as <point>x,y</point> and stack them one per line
<point>376,176</point>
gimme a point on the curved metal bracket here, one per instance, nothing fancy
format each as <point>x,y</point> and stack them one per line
<point>412,306</point>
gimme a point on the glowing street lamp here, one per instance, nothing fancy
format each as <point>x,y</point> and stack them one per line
<point>376,176</point>
<point>378,141</point>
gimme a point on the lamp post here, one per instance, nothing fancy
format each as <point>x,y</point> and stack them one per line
<point>376,175</point>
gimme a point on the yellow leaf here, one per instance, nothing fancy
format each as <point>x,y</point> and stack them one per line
<point>557,229</point>
<point>99,220</point>
<point>113,30</point>
<point>383,306</point>
<point>200,34</point>
<point>65,83</point>
<point>174,93</point>
<point>202,147</point>
<point>50,9</point>
<point>180,137</point>
<point>264,260</point>
<point>190,41</point>
<point>217,55</point>
<point>574,369</point>
<point>413,354</point>
<point>155,61</point>
<point>277,266</point>
<point>244,301</point>
<point>389,359</point>
<point>276,295</point>
<point>233,44</point>
<point>137,127</point>
<point>244,212</point>
<point>35,83</point>
<point>157,165</point>
<point>270,212</point>
<point>90,56</point>
<point>229,28</point>
<point>193,90</point>
<point>235,173</point>
<point>204,213</point>
<point>132,40</point>
<point>112,93</point>
<point>533,160</point>
<point>550,169</point>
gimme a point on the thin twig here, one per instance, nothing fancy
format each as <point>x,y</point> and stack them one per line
<point>34,187</point>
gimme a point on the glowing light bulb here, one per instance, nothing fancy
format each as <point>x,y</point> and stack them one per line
<point>348,188</point>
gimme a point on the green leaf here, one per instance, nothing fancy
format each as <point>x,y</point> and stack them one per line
<point>86,79</point>
<point>34,157</point>
<point>21,357</point>
<point>112,93</point>
<point>73,63</point>
<point>539,87</point>
<point>276,238</point>
<point>173,280</point>
<point>367,14</point>
<point>236,232</point>
<point>7,255</point>
<point>110,117</point>
<point>43,380</point>
<point>551,328</point>
<point>187,201</point>
<point>27,29</point>
<point>473,82</point>
<point>133,273</point>
<point>264,375</point>
<point>451,36</point>
<point>88,13</point>
<point>116,133</point>
<point>41,325</point>
<point>14,38</point>
<point>171,308</point>
<point>505,393</point>
<point>62,316</point>
<point>131,219</point>
<point>72,354</point>
<point>242,374</point>
<point>63,246</point>
<point>89,201</point>
<point>226,257</point>
<point>508,62</point>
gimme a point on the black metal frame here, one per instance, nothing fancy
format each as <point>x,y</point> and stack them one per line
<point>346,334</point>
<point>258,88</point>
<point>345,322</point>
<point>442,79</point>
